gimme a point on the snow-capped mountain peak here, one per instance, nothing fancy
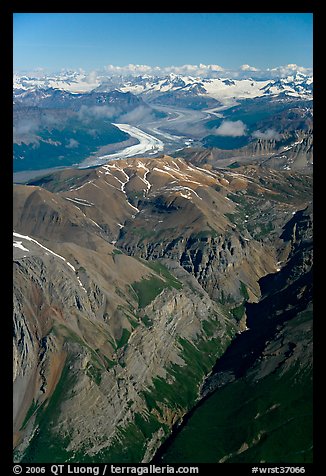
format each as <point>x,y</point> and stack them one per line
<point>222,89</point>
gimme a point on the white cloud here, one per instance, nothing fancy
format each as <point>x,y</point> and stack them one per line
<point>91,77</point>
<point>287,70</point>
<point>25,127</point>
<point>134,69</point>
<point>215,67</point>
<point>210,71</point>
<point>137,115</point>
<point>72,144</point>
<point>89,80</point>
<point>88,113</point>
<point>247,67</point>
<point>268,134</point>
<point>185,69</point>
<point>231,129</point>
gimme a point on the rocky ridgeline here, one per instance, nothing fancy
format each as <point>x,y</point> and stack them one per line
<point>292,150</point>
<point>130,282</point>
<point>115,365</point>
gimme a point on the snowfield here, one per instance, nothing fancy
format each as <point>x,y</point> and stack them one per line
<point>18,244</point>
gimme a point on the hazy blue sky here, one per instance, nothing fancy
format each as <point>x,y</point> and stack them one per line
<point>93,40</point>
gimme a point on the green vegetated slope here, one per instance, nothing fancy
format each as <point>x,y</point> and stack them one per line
<point>260,408</point>
<point>173,395</point>
<point>46,446</point>
<point>227,424</point>
<point>129,446</point>
<point>147,289</point>
<point>255,418</point>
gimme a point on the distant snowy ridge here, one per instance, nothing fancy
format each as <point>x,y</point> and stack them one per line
<point>72,82</point>
<point>222,89</point>
<point>297,85</point>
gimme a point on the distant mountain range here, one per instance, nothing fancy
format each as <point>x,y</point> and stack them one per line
<point>64,120</point>
<point>116,102</point>
<point>220,89</point>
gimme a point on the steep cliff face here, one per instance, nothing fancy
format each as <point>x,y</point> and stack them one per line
<point>215,223</point>
<point>224,232</point>
<point>297,156</point>
<point>96,336</point>
<point>130,281</point>
<point>264,379</point>
<point>292,151</point>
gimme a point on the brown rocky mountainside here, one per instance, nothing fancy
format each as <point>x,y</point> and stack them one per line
<point>130,281</point>
<point>293,152</point>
